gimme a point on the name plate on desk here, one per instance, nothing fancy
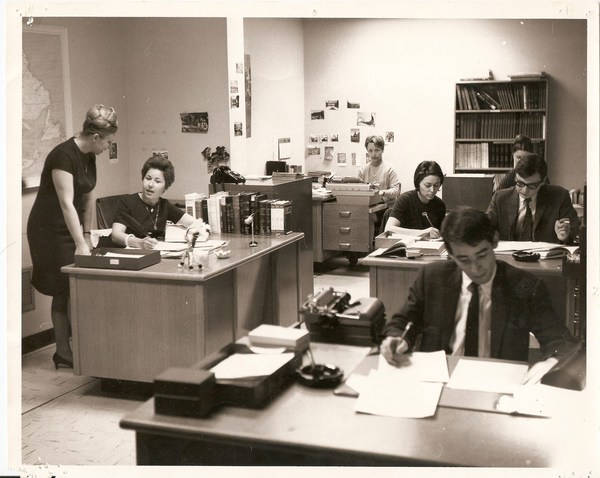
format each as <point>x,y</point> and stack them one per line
<point>115,258</point>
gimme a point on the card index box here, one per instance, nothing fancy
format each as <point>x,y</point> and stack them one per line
<point>184,392</point>
<point>139,259</point>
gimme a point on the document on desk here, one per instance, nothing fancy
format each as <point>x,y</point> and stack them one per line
<point>250,365</point>
<point>398,398</point>
<point>543,400</point>
<point>487,376</point>
<point>418,366</point>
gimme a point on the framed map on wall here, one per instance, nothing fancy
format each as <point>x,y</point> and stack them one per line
<point>46,97</point>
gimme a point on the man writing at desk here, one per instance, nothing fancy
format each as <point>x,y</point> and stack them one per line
<point>475,305</point>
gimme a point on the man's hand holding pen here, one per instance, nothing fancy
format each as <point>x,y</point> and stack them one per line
<point>394,348</point>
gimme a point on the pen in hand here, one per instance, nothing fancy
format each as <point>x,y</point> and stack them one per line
<point>402,337</point>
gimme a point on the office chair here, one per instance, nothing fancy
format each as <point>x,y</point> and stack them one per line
<point>106,209</point>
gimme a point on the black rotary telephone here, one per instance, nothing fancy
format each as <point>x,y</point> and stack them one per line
<point>222,174</point>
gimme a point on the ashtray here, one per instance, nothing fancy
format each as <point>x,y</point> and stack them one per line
<point>223,253</point>
<point>320,375</point>
<point>526,256</point>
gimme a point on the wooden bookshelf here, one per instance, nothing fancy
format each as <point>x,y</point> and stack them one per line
<point>488,116</point>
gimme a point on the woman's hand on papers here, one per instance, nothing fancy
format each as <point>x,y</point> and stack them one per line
<point>433,233</point>
<point>393,349</point>
<point>148,243</point>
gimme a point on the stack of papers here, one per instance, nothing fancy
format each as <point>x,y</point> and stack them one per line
<point>250,365</point>
<point>277,336</point>
<point>410,391</point>
<point>428,248</point>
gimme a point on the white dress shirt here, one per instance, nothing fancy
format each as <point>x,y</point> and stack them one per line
<point>457,341</point>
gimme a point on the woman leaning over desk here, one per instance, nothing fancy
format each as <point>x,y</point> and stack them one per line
<point>420,208</point>
<point>142,217</point>
<point>60,219</point>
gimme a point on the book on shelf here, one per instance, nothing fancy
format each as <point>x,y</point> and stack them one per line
<point>281,217</point>
<point>264,207</point>
<point>244,212</point>
<point>534,75</point>
<point>257,217</point>
<point>236,214</point>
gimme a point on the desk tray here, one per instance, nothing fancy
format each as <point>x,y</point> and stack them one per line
<point>99,260</point>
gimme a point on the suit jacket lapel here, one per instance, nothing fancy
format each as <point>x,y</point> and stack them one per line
<point>540,206</point>
<point>513,209</point>
<point>499,311</point>
<point>451,295</point>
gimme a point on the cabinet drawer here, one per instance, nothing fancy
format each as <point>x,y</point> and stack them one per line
<point>337,243</point>
<point>346,230</point>
<point>346,212</point>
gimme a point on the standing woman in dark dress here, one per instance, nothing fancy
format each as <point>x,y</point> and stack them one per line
<point>61,216</point>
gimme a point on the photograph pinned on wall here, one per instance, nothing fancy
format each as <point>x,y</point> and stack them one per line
<point>353,156</point>
<point>317,115</point>
<point>162,154</point>
<point>194,122</point>
<point>328,153</point>
<point>332,104</point>
<point>365,119</point>
<point>352,105</point>
<point>389,136</point>
<point>238,129</point>
<point>239,68</point>
<point>334,138</point>
<point>313,151</point>
<point>314,138</point>
<point>235,101</point>
<point>295,168</point>
<point>341,159</point>
<point>324,138</point>
<point>233,87</point>
<point>354,135</point>
<point>113,152</point>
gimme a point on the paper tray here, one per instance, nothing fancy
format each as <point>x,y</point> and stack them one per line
<point>254,392</point>
<point>139,259</point>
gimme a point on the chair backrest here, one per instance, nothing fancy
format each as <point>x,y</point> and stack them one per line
<point>384,219</point>
<point>106,210</point>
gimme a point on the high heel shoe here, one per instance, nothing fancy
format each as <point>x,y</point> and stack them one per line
<point>58,360</point>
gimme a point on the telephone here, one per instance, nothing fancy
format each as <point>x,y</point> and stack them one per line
<point>223,174</point>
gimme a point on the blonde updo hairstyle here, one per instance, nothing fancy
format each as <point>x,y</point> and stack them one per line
<point>100,120</point>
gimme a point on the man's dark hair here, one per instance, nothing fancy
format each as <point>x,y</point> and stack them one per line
<point>522,143</point>
<point>467,225</point>
<point>530,164</point>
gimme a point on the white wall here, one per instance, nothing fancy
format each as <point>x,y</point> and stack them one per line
<point>276,49</point>
<point>405,72</point>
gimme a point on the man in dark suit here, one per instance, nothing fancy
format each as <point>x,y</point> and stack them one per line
<point>533,210</point>
<point>475,305</point>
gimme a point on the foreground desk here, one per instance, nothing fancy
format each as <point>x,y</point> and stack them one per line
<point>390,279</point>
<point>315,427</point>
<point>132,325</point>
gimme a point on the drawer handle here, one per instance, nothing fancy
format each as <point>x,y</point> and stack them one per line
<point>345,214</point>
<point>345,230</point>
<point>345,245</point>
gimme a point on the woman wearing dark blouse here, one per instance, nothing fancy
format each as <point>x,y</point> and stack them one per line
<point>142,217</point>
<point>420,208</point>
<point>60,219</point>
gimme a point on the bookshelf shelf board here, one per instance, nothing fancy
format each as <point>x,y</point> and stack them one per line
<point>499,110</point>
<point>482,170</point>
<point>494,140</point>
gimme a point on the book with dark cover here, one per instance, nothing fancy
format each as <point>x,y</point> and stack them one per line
<point>205,210</point>
<point>257,218</point>
<point>244,212</point>
<point>236,214</point>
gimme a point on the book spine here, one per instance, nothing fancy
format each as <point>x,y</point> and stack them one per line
<point>236,214</point>
<point>205,210</point>
<point>229,213</point>
<point>244,212</point>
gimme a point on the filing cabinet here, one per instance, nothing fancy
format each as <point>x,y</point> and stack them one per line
<point>347,227</point>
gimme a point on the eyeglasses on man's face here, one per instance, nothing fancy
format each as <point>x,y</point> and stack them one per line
<point>532,186</point>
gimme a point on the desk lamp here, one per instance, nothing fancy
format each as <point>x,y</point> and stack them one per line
<point>250,221</point>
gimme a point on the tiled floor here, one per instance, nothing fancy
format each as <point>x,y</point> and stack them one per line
<point>70,420</point>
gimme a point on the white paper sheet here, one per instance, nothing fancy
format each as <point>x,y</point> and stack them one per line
<point>397,398</point>
<point>250,365</point>
<point>542,400</point>
<point>419,366</point>
<point>484,376</point>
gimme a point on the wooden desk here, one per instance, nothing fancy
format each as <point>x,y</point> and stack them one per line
<point>390,279</point>
<point>314,427</point>
<point>132,325</point>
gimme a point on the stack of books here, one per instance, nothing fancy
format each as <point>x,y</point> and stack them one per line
<point>277,336</point>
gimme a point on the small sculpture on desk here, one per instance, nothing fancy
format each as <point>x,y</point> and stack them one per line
<point>250,221</point>
<point>191,256</point>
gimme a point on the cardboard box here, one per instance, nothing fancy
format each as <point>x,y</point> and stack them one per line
<point>384,240</point>
<point>115,258</point>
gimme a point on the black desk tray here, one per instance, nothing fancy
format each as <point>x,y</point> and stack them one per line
<point>99,260</point>
<point>194,391</point>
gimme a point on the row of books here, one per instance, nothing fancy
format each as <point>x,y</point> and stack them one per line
<point>501,96</point>
<point>230,213</point>
<point>500,126</point>
<point>487,155</point>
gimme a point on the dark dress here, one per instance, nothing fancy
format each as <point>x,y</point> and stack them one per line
<point>50,242</point>
<point>145,216</point>
<point>409,209</point>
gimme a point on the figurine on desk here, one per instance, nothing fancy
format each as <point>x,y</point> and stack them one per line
<point>420,209</point>
<point>475,305</point>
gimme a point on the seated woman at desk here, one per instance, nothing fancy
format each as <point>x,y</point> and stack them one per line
<point>379,173</point>
<point>420,208</point>
<point>142,217</point>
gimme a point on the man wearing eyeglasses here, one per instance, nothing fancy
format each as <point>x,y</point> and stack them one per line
<point>533,210</point>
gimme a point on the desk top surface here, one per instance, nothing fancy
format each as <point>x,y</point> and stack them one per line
<point>167,268</point>
<point>311,419</point>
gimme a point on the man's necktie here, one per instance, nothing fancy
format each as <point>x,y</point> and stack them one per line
<point>472,330</point>
<point>527,226</point>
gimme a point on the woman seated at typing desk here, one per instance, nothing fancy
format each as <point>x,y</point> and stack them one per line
<point>420,208</point>
<point>142,217</point>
